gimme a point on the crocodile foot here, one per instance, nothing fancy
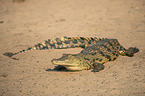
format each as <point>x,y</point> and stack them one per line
<point>58,68</point>
<point>98,67</point>
<point>130,51</point>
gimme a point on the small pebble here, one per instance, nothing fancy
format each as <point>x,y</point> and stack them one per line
<point>4,75</point>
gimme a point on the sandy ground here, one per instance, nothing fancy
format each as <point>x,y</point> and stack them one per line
<point>27,23</point>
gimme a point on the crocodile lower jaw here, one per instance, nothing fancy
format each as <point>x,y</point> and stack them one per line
<point>73,68</point>
<point>57,62</point>
<point>68,66</point>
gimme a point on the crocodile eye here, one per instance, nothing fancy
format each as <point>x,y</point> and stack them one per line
<point>64,54</point>
<point>69,55</point>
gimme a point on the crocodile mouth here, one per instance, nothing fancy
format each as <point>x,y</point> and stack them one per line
<point>58,62</point>
<point>67,65</point>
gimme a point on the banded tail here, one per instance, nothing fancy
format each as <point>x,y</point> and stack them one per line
<point>59,43</point>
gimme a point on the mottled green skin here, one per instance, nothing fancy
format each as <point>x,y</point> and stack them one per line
<point>59,43</point>
<point>94,56</point>
<point>96,52</point>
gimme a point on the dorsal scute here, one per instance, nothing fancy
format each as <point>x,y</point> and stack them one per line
<point>59,43</point>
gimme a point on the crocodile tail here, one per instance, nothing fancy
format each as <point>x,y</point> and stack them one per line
<point>64,42</point>
<point>59,43</point>
<point>47,44</point>
<point>82,42</point>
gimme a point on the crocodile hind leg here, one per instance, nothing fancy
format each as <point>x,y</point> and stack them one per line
<point>97,67</point>
<point>129,52</point>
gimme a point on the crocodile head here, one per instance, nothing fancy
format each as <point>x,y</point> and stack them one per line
<point>72,62</point>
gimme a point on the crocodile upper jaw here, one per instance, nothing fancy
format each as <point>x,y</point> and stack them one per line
<point>69,66</point>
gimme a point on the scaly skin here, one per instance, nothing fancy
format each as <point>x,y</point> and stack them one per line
<point>59,43</point>
<point>97,51</point>
<point>94,56</point>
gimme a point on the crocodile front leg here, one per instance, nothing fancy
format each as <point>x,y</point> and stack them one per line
<point>58,68</point>
<point>97,67</point>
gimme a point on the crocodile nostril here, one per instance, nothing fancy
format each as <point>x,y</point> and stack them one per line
<point>54,60</point>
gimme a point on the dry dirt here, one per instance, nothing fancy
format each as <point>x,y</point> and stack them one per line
<point>24,24</point>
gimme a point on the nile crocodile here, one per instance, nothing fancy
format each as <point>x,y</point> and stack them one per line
<point>94,56</point>
<point>96,52</point>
